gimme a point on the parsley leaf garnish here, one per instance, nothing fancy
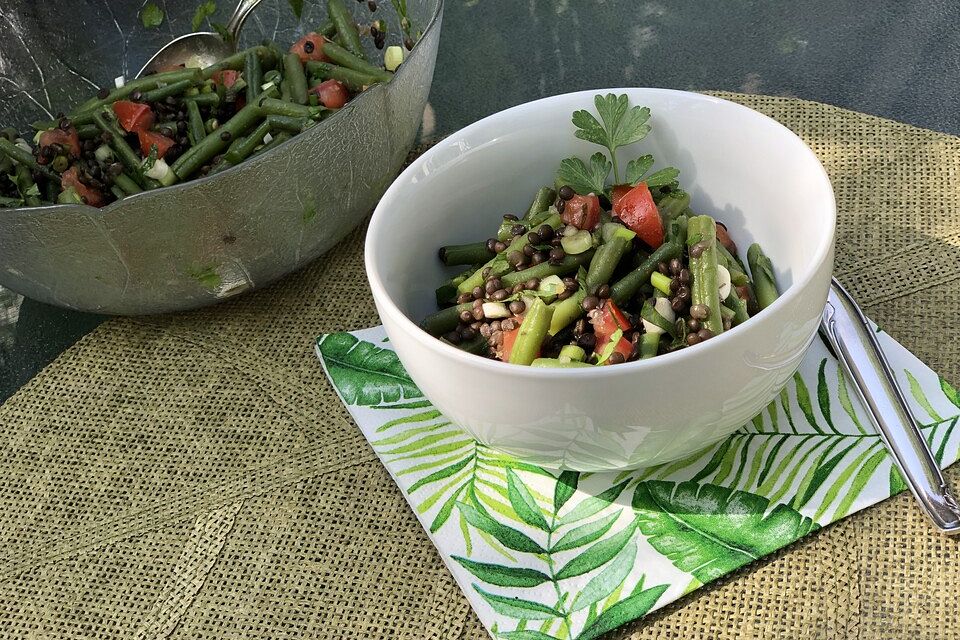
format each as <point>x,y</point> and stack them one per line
<point>637,169</point>
<point>151,16</point>
<point>619,125</point>
<point>204,11</point>
<point>583,179</point>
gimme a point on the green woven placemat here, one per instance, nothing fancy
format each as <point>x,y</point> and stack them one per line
<point>195,476</point>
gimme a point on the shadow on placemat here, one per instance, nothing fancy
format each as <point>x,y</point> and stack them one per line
<point>194,476</point>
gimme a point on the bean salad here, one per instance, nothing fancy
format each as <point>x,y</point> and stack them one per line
<point>600,272</point>
<point>183,123</point>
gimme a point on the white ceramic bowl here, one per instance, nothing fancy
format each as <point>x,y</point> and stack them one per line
<point>738,165</point>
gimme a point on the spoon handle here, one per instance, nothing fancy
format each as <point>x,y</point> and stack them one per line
<point>856,346</point>
<point>235,23</point>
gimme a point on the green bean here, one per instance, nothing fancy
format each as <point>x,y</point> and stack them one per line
<point>625,288</point>
<point>203,100</point>
<point>236,62</point>
<point>242,147</point>
<point>278,139</point>
<point>253,73</point>
<point>607,257</point>
<point>25,158</point>
<point>195,129</point>
<point>88,131</point>
<point>172,89</point>
<point>672,205</point>
<point>444,320</point>
<point>117,192</point>
<point>214,143</point>
<point>128,157</point>
<point>127,184</point>
<point>339,55</point>
<point>327,29</point>
<point>566,311</point>
<point>273,106</point>
<point>477,345</point>
<point>6,165</point>
<point>346,27</point>
<point>498,264</point>
<point>572,352</point>
<point>472,253</point>
<point>532,332</point>
<point>447,292</point>
<point>764,282</point>
<point>295,77</point>
<point>25,183</point>
<point>285,93</point>
<point>541,202</point>
<point>146,83</point>
<point>649,344</point>
<point>702,234</point>
<point>738,306</point>
<point>553,363</point>
<point>354,80</point>
<point>569,264</point>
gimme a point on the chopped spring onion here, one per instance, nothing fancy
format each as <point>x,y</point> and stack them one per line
<point>161,171</point>
<point>23,144</point>
<point>577,243</point>
<point>658,318</point>
<point>392,58</point>
<point>723,281</point>
<point>552,286</point>
<point>266,86</point>
<point>119,81</point>
<point>572,353</point>
<point>495,310</point>
<point>104,153</point>
<point>267,139</point>
<point>660,282</point>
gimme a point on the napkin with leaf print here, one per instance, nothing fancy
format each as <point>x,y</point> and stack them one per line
<point>544,555</point>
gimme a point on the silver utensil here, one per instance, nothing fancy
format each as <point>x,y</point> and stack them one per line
<point>203,48</point>
<point>854,341</point>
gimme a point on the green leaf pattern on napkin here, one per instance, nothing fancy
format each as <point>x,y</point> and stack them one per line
<point>563,555</point>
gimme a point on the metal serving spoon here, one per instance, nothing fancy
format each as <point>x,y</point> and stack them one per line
<point>854,342</point>
<point>202,48</point>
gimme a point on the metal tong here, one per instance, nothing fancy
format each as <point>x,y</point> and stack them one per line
<point>854,342</point>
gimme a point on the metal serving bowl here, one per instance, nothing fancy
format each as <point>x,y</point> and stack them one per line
<point>196,243</point>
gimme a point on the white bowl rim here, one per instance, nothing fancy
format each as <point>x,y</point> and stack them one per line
<point>704,350</point>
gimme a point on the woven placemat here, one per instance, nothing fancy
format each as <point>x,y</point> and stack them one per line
<point>194,476</point>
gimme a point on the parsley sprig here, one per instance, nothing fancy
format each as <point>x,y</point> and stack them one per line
<point>619,125</point>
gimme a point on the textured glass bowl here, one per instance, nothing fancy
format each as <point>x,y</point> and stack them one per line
<point>194,244</point>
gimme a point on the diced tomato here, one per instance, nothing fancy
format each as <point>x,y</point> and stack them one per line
<point>133,116</point>
<point>724,238</point>
<point>638,211</point>
<point>618,192</point>
<point>624,348</point>
<point>226,77</point>
<point>68,139</point>
<point>583,212</point>
<point>310,47</point>
<point>332,94</point>
<point>607,321</point>
<point>90,196</point>
<point>509,338</point>
<point>150,138</point>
